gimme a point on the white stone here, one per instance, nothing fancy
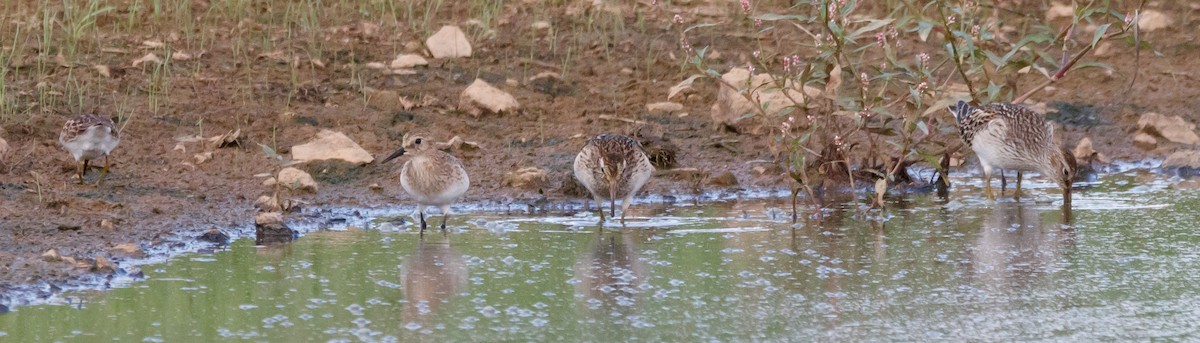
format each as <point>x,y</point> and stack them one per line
<point>731,106</point>
<point>297,179</point>
<point>408,61</point>
<point>540,25</point>
<point>1173,128</point>
<point>1181,159</point>
<point>528,178</point>
<point>448,42</point>
<point>481,97</point>
<point>1059,10</point>
<point>331,145</point>
<point>1145,141</point>
<point>665,107</point>
<point>1152,20</point>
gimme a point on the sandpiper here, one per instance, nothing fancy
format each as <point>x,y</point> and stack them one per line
<point>613,167</point>
<point>432,177</point>
<point>1013,137</point>
<point>88,137</point>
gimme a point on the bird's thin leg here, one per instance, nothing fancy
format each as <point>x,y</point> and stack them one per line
<point>625,208</point>
<point>1018,193</point>
<point>1003,182</point>
<point>423,224</point>
<point>600,208</point>
<point>103,172</point>
<point>82,169</point>
<point>444,215</point>
<point>987,181</point>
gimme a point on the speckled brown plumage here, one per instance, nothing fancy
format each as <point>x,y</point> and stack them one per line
<point>431,176</point>
<point>88,137</point>
<point>1013,137</point>
<point>613,167</point>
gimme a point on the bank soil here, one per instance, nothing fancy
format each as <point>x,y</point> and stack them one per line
<point>164,185</point>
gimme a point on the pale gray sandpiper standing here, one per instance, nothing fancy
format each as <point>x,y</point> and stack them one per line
<point>1013,137</point>
<point>88,137</point>
<point>430,176</point>
<point>613,167</point>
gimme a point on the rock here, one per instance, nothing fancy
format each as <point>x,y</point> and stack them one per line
<point>626,71</point>
<point>297,179</point>
<point>1173,128</point>
<point>269,228</point>
<point>1085,153</point>
<point>448,42</point>
<point>540,25</point>
<point>103,265</point>
<point>731,106</point>
<point>269,182</point>
<point>725,179</point>
<point>665,107</point>
<point>267,203</point>
<point>3,148</point>
<point>107,224</point>
<point>214,235</point>
<point>408,61</point>
<point>1145,141</point>
<point>1183,163</point>
<point>1059,10</point>
<point>129,250</point>
<point>331,145</point>
<point>1152,20</point>
<point>51,256</point>
<point>268,218</point>
<point>528,178</point>
<point>481,97</point>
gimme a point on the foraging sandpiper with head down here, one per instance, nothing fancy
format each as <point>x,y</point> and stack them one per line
<point>431,176</point>
<point>88,137</point>
<point>1013,137</point>
<point>613,167</point>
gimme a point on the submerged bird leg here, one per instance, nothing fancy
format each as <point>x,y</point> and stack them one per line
<point>987,181</point>
<point>600,208</point>
<point>612,198</point>
<point>423,224</point>
<point>445,214</point>
<point>1017,194</point>
<point>1003,182</point>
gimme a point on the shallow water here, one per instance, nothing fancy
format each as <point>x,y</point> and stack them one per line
<point>1125,266</point>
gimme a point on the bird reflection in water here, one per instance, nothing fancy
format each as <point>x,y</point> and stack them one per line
<point>431,276</point>
<point>1017,247</point>
<point>613,275</point>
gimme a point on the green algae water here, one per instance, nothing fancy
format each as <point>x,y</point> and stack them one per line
<point>1124,265</point>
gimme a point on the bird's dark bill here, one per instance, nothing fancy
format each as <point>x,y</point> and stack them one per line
<point>394,155</point>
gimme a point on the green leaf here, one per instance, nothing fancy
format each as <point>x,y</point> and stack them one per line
<point>875,24</point>
<point>697,26</point>
<point>1084,65</point>
<point>943,104</point>
<point>1099,34</point>
<point>923,30</point>
<point>269,152</point>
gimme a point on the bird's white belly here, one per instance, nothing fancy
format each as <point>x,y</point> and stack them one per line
<point>95,143</point>
<point>994,150</point>
<point>445,196</point>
